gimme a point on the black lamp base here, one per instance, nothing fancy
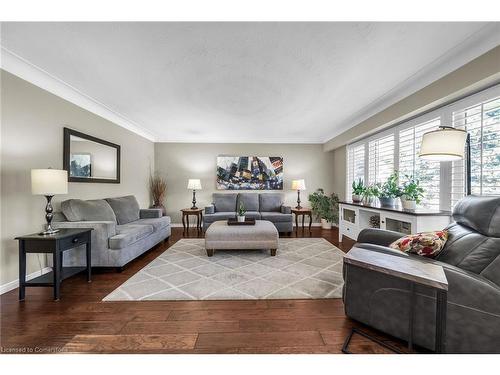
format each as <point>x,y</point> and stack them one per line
<point>48,217</point>
<point>298,207</point>
<point>194,201</point>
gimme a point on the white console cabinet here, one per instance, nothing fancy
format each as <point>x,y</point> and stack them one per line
<point>354,217</point>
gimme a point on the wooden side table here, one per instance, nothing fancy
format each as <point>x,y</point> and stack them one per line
<point>302,212</point>
<point>415,273</point>
<point>55,244</point>
<point>198,212</point>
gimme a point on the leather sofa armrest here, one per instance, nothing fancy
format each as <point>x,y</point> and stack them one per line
<point>209,209</point>
<point>286,209</point>
<point>378,236</point>
<point>150,213</point>
<point>383,250</point>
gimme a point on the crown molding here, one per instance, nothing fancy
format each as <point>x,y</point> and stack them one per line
<point>470,48</point>
<point>31,73</point>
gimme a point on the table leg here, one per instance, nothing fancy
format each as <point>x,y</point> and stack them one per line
<point>441,305</point>
<point>201,221</point>
<point>89,260</point>
<point>303,219</point>
<point>411,314</point>
<point>22,271</point>
<point>297,223</point>
<point>310,222</point>
<point>183,223</point>
<point>197,222</point>
<point>56,269</point>
<point>187,225</point>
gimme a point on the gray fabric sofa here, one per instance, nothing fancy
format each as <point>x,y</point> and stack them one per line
<point>259,206</point>
<point>121,230</point>
<point>471,261</point>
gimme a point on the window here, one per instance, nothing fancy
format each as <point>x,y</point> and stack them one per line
<point>427,172</point>
<point>482,121</point>
<point>374,158</point>
<point>380,159</point>
<point>356,165</point>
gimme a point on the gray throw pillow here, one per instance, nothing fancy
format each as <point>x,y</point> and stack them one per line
<point>91,210</point>
<point>126,208</point>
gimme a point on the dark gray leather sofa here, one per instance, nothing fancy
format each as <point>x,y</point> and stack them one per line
<point>471,261</point>
<point>259,206</point>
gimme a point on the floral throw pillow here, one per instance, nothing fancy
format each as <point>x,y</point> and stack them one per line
<point>426,244</point>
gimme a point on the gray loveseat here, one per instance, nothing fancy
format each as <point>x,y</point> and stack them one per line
<point>471,261</point>
<point>259,206</point>
<point>121,230</point>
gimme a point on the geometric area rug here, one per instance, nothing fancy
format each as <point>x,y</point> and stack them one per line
<point>303,268</point>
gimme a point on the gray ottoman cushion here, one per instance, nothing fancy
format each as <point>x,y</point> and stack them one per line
<point>250,201</point>
<point>225,202</point>
<point>270,202</point>
<point>91,210</point>
<point>262,235</point>
<point>126,209</point>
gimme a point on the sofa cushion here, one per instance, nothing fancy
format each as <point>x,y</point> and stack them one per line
<point>426,244</point>
<point>276,217</point>
<point>128,234</point>
<point>126,209</point>
<point>270,202</point>
<point>225,202</point>
<point>252,215</point>
<point>158,223</point>
<point>90,210</point>
<point>250,201</point>
<point>219,216</point>
<point>479,213</point>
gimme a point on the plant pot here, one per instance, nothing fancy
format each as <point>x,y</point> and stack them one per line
<point>408,204</point>
<point>241,219</point>
<point>325,224</point>
<point>387,202</point>
<point>368,200</point>
<point>160,206</point>
<point>356,198</point>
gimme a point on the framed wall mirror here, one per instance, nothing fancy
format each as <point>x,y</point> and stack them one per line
<point>90,159</point>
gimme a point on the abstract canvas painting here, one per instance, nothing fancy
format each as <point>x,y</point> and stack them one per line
<point>249,173</point>
<point>80,165</point>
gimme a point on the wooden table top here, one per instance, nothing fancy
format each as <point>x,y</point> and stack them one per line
<point>192,210</point>
<point>62,233</point>
<point>304,210</point>
<point>423,273</point>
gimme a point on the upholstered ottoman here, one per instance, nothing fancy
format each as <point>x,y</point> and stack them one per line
<point>262,235</point>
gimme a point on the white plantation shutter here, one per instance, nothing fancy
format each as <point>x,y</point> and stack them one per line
<point>482,121</point>
<point>427,172</point>
<point>355,165</point>
<point>380,159</point>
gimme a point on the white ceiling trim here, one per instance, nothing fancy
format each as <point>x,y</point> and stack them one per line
<point>474,46</point>
<point>22,68</point>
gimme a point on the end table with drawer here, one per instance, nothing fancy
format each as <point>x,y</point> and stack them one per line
<point>54,244</point>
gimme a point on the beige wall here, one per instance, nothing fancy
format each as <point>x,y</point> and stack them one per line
<point>339,168</point>
<point>32,123</point>
<point>181,161</point>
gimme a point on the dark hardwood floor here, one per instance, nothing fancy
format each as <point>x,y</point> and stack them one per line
<point>80,322</point>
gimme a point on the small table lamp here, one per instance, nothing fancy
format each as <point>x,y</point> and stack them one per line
<point>49,182</point>
<point>298,185</point>
<point>194,184</point>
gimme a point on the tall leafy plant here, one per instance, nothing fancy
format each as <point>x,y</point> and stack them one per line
<point>390,188</point>
<point>325,206</point>
<point>411,189</point>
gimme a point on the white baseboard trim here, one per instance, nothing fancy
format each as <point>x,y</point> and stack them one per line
<point>15,283</point>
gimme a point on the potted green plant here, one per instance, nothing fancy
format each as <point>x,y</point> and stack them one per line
<point>389,191</point>
<point>325,207</point>
<point>411,193</point>
<point>241,213</point>
<point>358,189</point>
<point>370,193</point>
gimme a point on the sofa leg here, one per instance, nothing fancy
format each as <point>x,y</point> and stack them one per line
<point>273,252</point>
<point>210,252</point>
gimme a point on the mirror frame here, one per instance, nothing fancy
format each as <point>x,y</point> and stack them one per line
<point>66,157</point>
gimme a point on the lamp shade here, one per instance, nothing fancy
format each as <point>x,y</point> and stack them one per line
<point>49,181</point>
<point>298,185</point>
<point>194,184</point>
<point>445,144</point>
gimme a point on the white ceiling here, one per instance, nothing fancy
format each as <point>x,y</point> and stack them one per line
<point>244,82</point>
